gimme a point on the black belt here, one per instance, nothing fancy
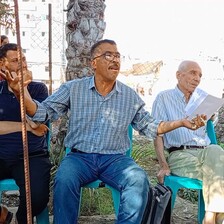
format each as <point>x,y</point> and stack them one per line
<point>172,149</point>
<point>76,150</point>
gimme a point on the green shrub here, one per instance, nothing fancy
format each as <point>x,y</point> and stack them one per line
<point>96,202</point>
<point>188,194</point>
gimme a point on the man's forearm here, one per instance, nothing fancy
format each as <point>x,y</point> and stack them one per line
<point>193,124</point>
<point>7,127</point>
<point>159,148</point>
<point>30,105</point>
<point>169,126</point>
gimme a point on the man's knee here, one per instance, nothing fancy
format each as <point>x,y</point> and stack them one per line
<point>139,178</point>
<point>215,151</point>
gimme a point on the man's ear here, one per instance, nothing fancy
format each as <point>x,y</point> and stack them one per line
<point>178,75</point>
<point>93,64</point>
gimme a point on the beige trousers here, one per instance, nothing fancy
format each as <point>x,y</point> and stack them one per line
<point>206,165</point>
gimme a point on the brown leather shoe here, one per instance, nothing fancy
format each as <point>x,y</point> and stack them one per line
<point>5,215</point>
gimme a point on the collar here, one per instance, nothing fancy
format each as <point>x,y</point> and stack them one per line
<point>117,86</point>
<point>179,93</point>
<point>4,87</point>
<point>195,95</point>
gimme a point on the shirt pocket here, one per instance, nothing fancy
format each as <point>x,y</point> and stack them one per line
<point>116,119</point>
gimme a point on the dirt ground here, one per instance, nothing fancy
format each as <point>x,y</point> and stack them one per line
<point>183,213</point>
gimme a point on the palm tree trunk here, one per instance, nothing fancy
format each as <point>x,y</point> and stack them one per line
<point>85,26</point>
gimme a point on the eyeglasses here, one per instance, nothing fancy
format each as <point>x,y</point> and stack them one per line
<point>109,56</point>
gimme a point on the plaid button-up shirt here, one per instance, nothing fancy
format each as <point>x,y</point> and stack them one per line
<point>98,124</point>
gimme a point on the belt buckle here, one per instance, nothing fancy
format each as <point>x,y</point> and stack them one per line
<point>193,146</point>
<point>188,147</point>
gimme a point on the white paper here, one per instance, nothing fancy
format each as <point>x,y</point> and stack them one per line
<point>205,104</point>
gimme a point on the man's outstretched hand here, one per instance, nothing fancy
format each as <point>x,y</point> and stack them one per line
<point>197,122</point>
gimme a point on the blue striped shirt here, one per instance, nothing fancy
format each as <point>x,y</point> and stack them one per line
<point>170,105</point>
<point>98,124</point>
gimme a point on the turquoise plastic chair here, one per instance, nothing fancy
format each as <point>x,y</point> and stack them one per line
<point>99,183</point>
<point>10,185</point>
<point>177,182</point>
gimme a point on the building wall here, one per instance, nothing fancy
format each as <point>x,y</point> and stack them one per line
<point>34,34</point>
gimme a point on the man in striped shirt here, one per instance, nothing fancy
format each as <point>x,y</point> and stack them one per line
<point>190,154</point>
<point>101,109</point>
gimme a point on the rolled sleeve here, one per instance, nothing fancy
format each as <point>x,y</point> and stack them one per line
<point>152,127</point>
<point>41,113</point>
<point>146,124</point>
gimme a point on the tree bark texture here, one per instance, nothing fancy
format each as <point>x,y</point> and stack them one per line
<point>85,26</point>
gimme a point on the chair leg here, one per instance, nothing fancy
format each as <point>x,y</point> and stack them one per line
<point>174,191</point>
<point>174,195</point>
<point>116,199</point>
<point>80,201</point>
<point>201,207</point>
<point>43,217</point>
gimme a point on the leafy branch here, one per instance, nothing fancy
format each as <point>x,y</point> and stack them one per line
<point>7,15</point>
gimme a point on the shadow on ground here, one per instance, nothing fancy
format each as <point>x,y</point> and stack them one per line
<point>184,213</point>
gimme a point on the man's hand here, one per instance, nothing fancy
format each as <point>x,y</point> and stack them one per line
<point>195,123</point>
<point>213,117</point>
<point>32,124</point>
<point>2,74</point>
<point>162,173</point>
<point>37,128</point>
<point>13,79</point>
<point>41,130</point>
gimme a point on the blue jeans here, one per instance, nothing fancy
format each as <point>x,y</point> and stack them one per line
<point>118,171</point>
